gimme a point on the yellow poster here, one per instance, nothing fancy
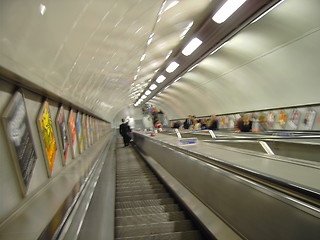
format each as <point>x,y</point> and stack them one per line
<point>47,136</point>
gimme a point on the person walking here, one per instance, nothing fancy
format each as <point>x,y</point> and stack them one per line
<point>124,132</point>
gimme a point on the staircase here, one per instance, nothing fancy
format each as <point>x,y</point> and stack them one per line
<point>144,208</point>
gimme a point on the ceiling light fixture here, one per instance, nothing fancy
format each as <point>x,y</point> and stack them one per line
<point>160,79</point>
<point>192,46</point>
<point>227,10</point>
<point>153,87</point>
<point>172,66</point>
<point>148,92</point>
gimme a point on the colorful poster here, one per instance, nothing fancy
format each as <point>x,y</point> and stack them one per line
<point>63,134</point>
<point>270,119</point>
<point>309,118</point>
<point>47,136</point>
<point>294,119</point>
<point>79,132</point>
<point>84,131</point>
<point>282,118</point>
<point>72,131</point>
<point>17,127</point>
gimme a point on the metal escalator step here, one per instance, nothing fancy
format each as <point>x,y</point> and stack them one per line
<point>150,218</point>
<point>137,184</point>
<point>140,192</point>
<point>137,180</point>
<point>147,210</point>
<point>134,174</point>
<point>134,188</point>
<point>145,203</point>
<point>188,235</point>
<point>153,228</point>
<point>142,197</point>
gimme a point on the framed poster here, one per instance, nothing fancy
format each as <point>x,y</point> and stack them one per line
<point>18,131</point>
<point>84,132</point>
<point>294,118</point>
<point>282,118</point>
<point>79,132</point>
<point>309,118</point>
<point>72,131</point>
<point>270,119</point>
<point>63,135</point>
<point>47,139</point>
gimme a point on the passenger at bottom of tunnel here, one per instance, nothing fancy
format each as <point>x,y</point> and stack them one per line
<point>125,132</point>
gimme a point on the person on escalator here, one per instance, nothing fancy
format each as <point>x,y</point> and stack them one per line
<point>125,131</point>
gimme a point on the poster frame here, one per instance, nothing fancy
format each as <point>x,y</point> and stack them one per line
<point>63,135</point>
<point>72,132</point>
<point>11,110</point>
<point>49,162</point>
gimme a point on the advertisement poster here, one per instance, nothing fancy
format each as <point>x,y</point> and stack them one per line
<point>79,132</point>
<point>62,134</point>
<point>84,131</point>
<point>282,118</point>
<point>270,119</point>
<point>47,136</point>
<point>17,127</point>
<point>72,131</point>
<point>294,118</point>
<point>88,130</point>
<point>309,118</point>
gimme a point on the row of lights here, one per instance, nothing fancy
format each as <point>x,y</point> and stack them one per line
<point>219,17</point>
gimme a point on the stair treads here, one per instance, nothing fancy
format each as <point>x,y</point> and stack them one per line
<point>153,228</point>
<point>150,218</point>
<point>147,210</point>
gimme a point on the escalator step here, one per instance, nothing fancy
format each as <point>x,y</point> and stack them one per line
<point>150,218</point>
<point>153,228</point>
<point>147,210</point>
<point>188,235</point>
<point>140,192</point>
<point>134,188</point>
<point>145,203</point>
<point>142,197</point>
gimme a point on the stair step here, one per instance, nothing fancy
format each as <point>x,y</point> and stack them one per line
<point>140,192</point>
<point>153,228</point>
<point>150,218</point>
<point>145,203</point>
<point>136,188</point>
<point>136,180</point>
<point>142,197</point>
<point>147,210</point>
<point>138,185</point>
<point>188,235</point>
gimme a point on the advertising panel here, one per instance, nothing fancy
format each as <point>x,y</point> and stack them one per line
<point>79,132</point>
<point>84,132</point>
<point>47,136</point>
<point>72,131</point>
<point>18,131</point>
<point>62,134</point>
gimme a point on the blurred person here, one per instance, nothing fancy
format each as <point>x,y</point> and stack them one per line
<point>244,124</point>
<point>262,123</point>
<point>197,124</point>
<point>214,123</point>
<point>125,131</point>
<point>188,122</point>
<point>176,124</point>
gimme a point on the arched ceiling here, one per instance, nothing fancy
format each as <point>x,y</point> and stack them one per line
<point>102,55</point>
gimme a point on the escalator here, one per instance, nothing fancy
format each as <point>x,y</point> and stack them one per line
<point>144,207</point>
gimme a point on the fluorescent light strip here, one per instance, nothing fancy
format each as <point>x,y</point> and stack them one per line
<point>148,92</point>
<point>191,47</point>
<point>143,97</point>
<point>160,79</point>
<point>172,67</point>
<point>227,10</point>
<point>153,87</point>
